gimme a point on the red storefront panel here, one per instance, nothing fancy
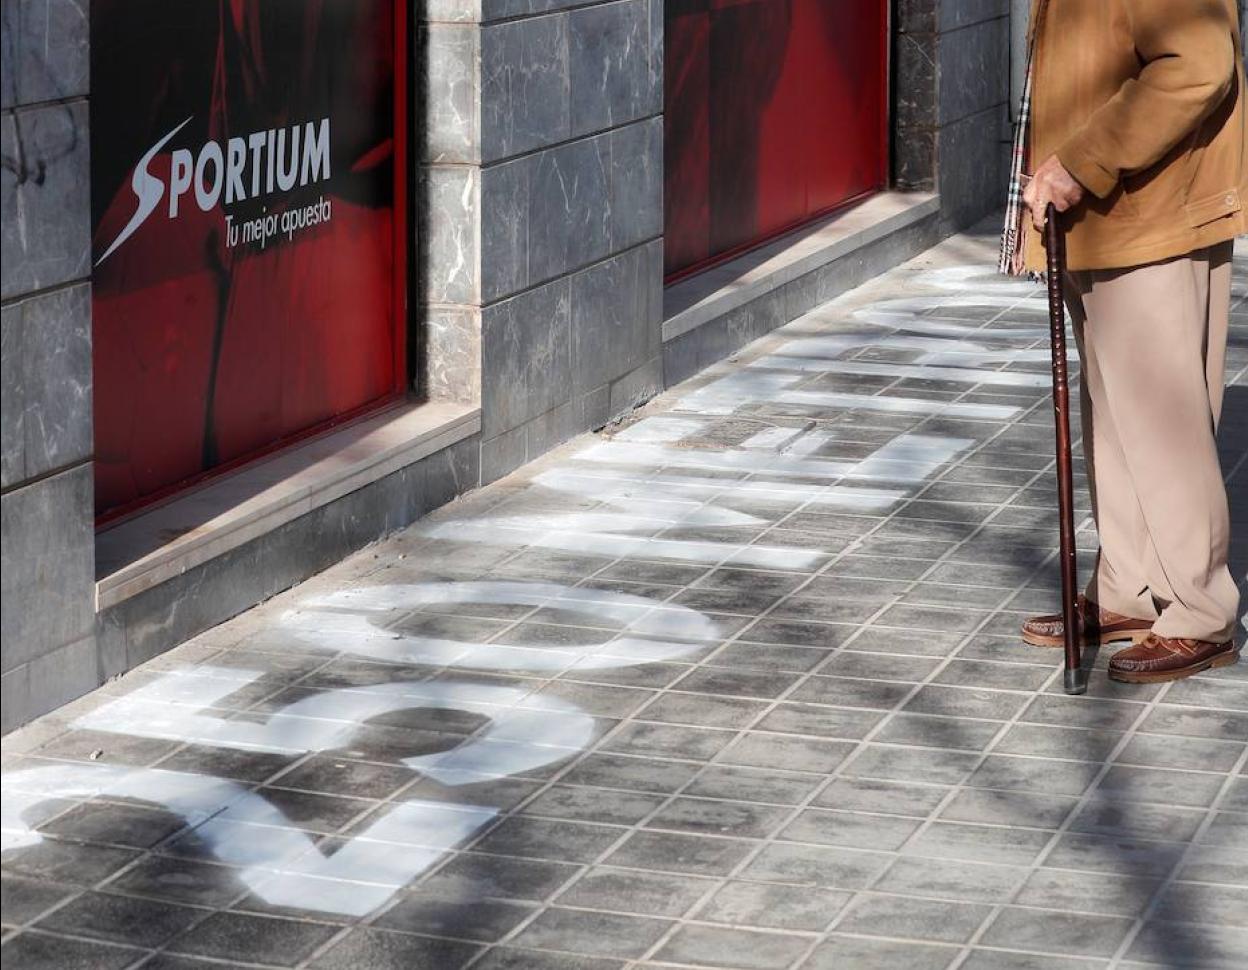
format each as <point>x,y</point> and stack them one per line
<point>776,112</point>
<point>247,183</point>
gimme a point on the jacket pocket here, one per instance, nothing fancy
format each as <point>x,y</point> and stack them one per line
<point>1202,211</point>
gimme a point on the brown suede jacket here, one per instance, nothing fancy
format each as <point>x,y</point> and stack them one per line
<point>1143,102</point>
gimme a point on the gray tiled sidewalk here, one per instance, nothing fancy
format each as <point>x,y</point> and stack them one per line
<point>734,685</point>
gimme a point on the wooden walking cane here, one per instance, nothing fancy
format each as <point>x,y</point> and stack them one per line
<point>1055,243</point>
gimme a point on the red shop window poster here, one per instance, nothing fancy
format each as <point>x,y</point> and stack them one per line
<point>247,230</point>
<point>776,113</point>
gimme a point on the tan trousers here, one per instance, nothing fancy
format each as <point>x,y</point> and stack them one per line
<point>1152,341</point>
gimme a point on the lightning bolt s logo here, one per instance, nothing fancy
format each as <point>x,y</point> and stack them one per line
<point>147,188</point>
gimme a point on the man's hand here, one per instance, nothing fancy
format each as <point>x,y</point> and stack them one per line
<point>1051,183</point>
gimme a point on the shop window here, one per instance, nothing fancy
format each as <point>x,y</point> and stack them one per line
<point>776,114</point>
<point>249,217</point>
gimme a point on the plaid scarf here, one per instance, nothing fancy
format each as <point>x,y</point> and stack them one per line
<point>1013,236</point>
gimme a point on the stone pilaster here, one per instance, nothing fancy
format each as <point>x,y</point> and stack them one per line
<point>951,85</point>
<point>542,184</point>
<point>49,646</point>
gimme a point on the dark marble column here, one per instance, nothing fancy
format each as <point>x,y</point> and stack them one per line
<point>542,188</point>
<point>47,601</point>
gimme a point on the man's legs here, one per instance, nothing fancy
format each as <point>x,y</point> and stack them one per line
<point>1119,581</point>
<point>1154,340</point>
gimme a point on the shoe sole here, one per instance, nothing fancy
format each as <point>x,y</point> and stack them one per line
<point>1037,640</point>
<point>1161,676</point>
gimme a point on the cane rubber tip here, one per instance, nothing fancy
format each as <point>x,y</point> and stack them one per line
<point>1075,682</point>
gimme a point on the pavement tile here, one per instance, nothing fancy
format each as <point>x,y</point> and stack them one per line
<point>340,776</point>
<point>931,618</point>
<point>1228,829</point>
<point>555,839</point>
<point>1122,856</point>
<point>985,959</point>
<point>851,829</point>
<point>812,719</point>
<point>265,939</point>
<point>430,913</point>
<point>472,875</point>
<point>966,702</point>
<point>1059,742</point>
<point>180,880</point>
<point>1208,692</point>
<point>309,811</point>
<point>1184,945</point>
<point>827,608</point>
<point>171,961</point>
<point>879,666</point>
<point>703,709</point>
<point>1034,774</point>
<point>379,950</point>
<point>798,633</point>
<point>871,954</point>
<point>767,657</point>
<point>833,868</point>
<point>641,738</point>
<point>999,676</point>
<point>101,747</point>
<point>1087,892</point>
<point>121,919</point>
<point>717,946</point>
<point>786,752</point>
<point>42,951</point>
<point>635,891</point>
<point>978,843</point>
<point>754,784</point>
<point>595,934</point>
<point>1236,797</point>
<point>843,692</point>
<point>593,805</point>
<point>881,797</point>
<point>125,825</point>
<point>1216,864</point>
<point>928,765</point>
<point>972,882</point>
<point>1165,751</point>
<point>1061,933</point>
<point>715,817</point>
<point>741,683</point>
<point>1196,789</point>
<point>1030,809</point>
<point>510,958</point>
<point>674,852</point>
<point>638,773</point>
<point>938,731</point>
<point>1194,903</point>
<point>1138,820</point>
<point>1188,722</point>
<point>774,906</point>
<point>916,919</point>
<point>25,899</point>
<point>80,864</point>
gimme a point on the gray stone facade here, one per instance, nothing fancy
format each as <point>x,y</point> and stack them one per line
<point>951,83</point>
<point>48,593</point>
<point>540,283</point>
<point>542,176</point>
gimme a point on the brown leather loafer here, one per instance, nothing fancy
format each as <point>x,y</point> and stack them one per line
<point>1097,625</point>
<point>1165,658</point>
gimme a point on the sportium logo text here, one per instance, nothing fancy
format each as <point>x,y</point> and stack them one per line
<point>274,160</point>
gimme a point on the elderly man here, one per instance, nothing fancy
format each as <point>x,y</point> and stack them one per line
<point>1134,120</point>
